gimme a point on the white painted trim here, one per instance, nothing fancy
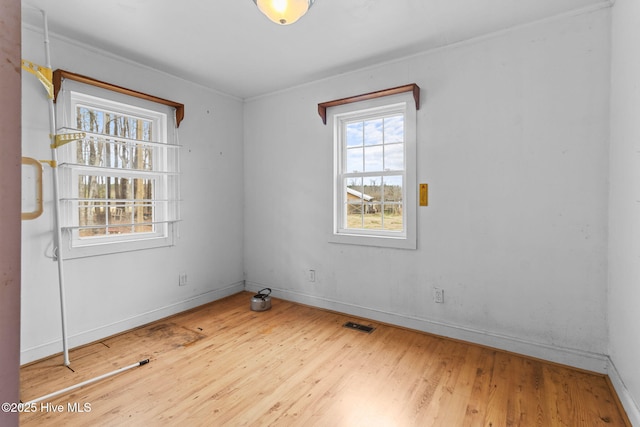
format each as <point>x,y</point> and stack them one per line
<point>85,337</point>
<point>631,407</point>
<point>593,362</point>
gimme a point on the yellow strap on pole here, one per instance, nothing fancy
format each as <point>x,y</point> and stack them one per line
<point>44,74</point>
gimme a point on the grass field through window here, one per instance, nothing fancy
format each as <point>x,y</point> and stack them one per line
<point>374,222</point>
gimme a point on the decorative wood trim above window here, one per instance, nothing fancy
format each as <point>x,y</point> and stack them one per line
<point>59,75</point>
<point>322,107</point>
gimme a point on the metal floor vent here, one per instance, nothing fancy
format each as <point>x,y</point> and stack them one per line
<point>359,327</point>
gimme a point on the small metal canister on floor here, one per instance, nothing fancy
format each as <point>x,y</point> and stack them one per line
<point>262,300</point>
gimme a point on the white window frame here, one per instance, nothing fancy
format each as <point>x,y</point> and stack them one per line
<point>340,115</point>
<point>73,246</point>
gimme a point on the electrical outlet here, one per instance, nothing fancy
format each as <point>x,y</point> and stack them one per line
<point>312,275</point>
<point>438,295</point>
<point>182,279</point>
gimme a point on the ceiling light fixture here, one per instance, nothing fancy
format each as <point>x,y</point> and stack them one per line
<point>284,12</point>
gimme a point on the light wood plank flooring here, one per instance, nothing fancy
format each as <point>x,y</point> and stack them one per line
<point>224,365</point>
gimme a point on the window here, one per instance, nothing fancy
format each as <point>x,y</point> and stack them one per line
<point>119,176</point>
<point>374,172</point>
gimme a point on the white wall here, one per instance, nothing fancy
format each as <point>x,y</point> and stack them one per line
<point>624,213</point>
<point>108,294</point>
<point>10,76</point>
<point>513,140</point>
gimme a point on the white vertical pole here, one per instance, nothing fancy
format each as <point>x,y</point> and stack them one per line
<point>56,203</point>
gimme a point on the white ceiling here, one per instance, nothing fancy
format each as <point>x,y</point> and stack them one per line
<point>228,45</point>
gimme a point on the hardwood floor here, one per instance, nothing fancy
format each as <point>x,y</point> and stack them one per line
<point>224,365</point>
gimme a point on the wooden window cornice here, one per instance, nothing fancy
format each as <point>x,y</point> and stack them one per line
<point>322,107</point>
<point>59,75</point>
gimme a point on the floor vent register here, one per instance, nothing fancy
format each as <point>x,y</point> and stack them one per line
<point>359,327</point>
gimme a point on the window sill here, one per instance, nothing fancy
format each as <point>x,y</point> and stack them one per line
<point>106,248</point>
<point>376,241</point>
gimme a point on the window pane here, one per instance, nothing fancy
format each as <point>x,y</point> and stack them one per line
<point>373,132</point>
<point>143,189</point>
<point>373,159</point>
<point>90,120</point>
<point>394,129</point>
<point>144,158</point>
<point>91,152</point>
<point>372,218</point>
<point>354,134</point>
<point>373,188</point>
<point>354,203</point>
<point>143,215</point>
<point>111,155</point>
<point>119,217</point>
<point>120,155</point>
<point>123,188</point>
<point>91,215</point>
<point>92,187</point>
<point>393,157</point>
<point>393,219</point>
<point>355,160</point>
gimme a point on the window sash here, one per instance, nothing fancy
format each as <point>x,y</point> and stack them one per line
<point>81,231</point>
<point>343,121</point>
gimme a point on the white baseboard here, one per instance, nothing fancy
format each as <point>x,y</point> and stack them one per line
<point>631,407</point>
<point>85,337</point>
<point>566,356</point>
